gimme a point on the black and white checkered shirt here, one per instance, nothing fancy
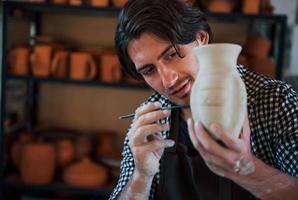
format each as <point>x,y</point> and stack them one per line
<point>273,115</point>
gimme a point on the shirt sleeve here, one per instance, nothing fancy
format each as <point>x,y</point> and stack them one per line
<point>126,170</point>
<point>287,128</point>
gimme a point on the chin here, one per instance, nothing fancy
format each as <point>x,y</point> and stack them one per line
<point>181,101</point>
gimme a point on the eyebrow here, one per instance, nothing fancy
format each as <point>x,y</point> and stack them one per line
<point>161,55</point>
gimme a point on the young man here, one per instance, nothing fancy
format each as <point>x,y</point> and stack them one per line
<point>165,158</point>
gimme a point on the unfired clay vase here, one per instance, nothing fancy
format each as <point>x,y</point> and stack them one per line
<point>85,173</point>
<point>218,94</point>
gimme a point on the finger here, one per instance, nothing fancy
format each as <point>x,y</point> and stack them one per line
<point>210,147</point>
<point>192,134</point>
<point>152,117</point>
<point>156,145</point>
<point>230,141</point>
<point>147,108</point>
<point>141,134</point>
<point>246,130</point>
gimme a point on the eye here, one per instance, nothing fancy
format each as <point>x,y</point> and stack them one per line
<point>171,55</point>
<point>149,70</point>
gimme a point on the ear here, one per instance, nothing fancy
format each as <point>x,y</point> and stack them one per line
<point>202,37</point>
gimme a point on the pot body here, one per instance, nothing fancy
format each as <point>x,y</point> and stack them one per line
<point>219,94</point>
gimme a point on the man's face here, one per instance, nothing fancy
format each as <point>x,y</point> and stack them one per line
<point>162,68</point>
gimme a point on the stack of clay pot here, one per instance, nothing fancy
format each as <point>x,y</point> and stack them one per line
<point>257,49</point>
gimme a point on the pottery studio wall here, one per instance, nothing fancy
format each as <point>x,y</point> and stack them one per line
<point>92,108</point>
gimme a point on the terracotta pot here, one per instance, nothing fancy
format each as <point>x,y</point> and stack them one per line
<point>16,147</point>
<point>251,6</point>
<point>59,1</point>
<point>264,66</point>
<point>76,2</point>
<point>257,46</point>
<point>83,147</point>
<point>37,163</point>
<point>60,64</point>
<point>41,60</point>
<point>119,3</point>
<point>82,66</point>
<point>110,69</point>
<point>99,3</point>
<point>85,173</point>
<point>107,147</point>
<point>18,61</point>
<point>242,59</point>
<point>65,152</point>
<point>223,6</point>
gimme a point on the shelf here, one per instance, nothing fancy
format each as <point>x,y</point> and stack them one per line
<point>114,11</point>
<point>56,187</point>
<point>81,82</point>
<point>49,7</point>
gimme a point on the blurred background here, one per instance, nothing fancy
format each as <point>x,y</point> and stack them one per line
<point>62,88</point>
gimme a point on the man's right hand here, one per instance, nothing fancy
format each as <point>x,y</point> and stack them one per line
<point>146,144</point>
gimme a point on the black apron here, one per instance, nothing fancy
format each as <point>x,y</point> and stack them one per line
<point>184,175</point>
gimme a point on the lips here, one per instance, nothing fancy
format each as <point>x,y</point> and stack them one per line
<point>182,89</point>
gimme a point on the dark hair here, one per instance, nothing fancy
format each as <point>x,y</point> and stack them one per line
<point>170,20</point>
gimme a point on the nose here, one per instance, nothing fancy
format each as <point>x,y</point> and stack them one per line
<point>168,76</point>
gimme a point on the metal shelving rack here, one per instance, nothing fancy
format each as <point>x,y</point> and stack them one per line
<point>278,28</point>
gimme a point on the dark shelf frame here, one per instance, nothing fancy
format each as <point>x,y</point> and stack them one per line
<point>37,8</point>
<point>93,83</point>
<point>54,188</point>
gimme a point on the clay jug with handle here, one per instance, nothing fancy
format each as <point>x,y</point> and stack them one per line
<point>18,61</point>
<point>82,66</point>
<point>60,64</point>
<point>219,94</point>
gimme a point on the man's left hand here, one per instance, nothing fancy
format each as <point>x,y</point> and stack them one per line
<point>231,161</point>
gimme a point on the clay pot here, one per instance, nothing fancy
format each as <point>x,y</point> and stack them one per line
<point>18,61</point>
<point>82,66</point>
<point>37,163</point>
<point>218,94</point>
<point>251,7</point>
<point>264,66</point>
<point>60,64</point>
<point>86,174</point>
<point>222,6</point>
<point>59,1</point>
<point>83,147</point>
<point>76,2</point>
<point>16,147</point>
<point>110,69</point>
<point>65,152</point>
<point>107,147</point>
<point>242,60</point>
<point>41,60</point>
<point>257,46</point>
<point>119,3</point>
<point>99,3</point>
